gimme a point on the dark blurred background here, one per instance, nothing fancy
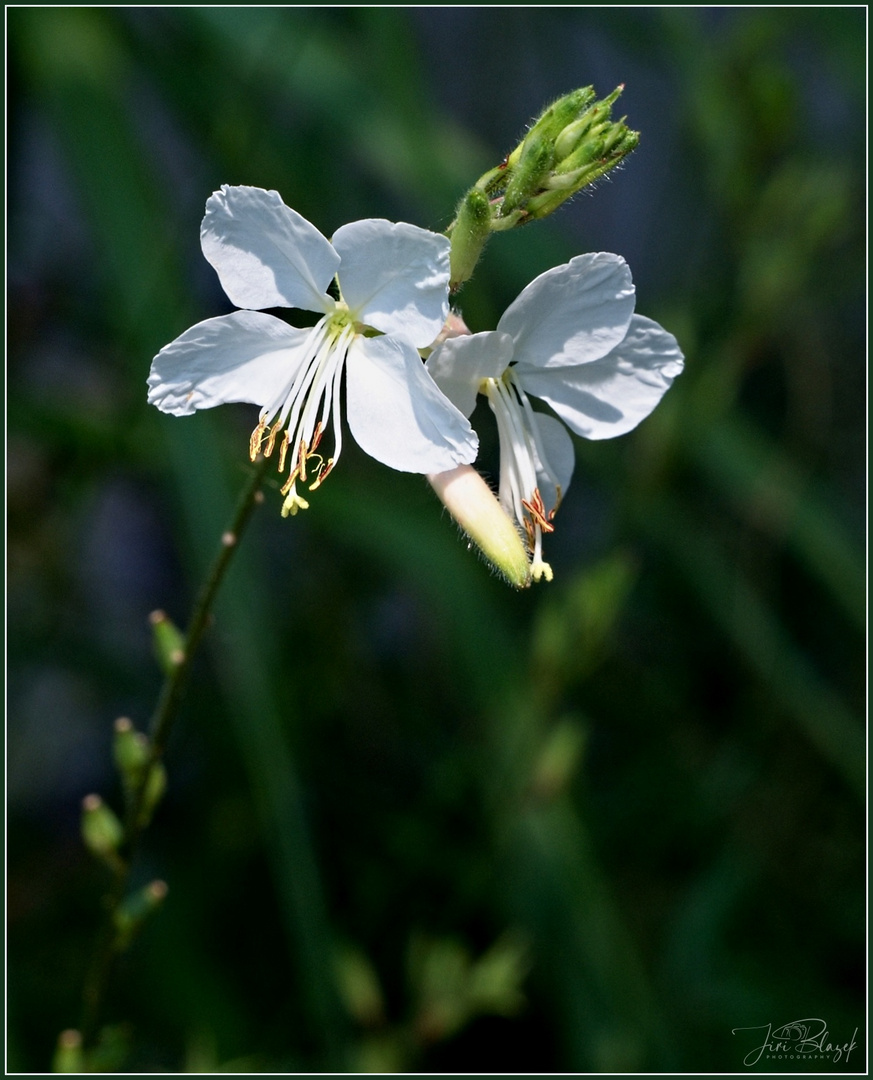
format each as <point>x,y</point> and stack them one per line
<point>417,821</point>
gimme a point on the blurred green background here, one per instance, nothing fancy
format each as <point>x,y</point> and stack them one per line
<point>415,820</point>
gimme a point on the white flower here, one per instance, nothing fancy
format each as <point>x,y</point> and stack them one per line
<point>393,300</point>
<point>571,339</point>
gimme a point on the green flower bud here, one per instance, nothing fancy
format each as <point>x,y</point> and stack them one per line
<point>620,138</point>
<point>102,832</point>
<point>589,150</point>
<point>69,1057</point>
<point>131,751</point>
<point>572,144</point>
<point>554,120</point>
<point>496,978</point>
<point>570,137</point>
<point>563,185</point>
<point>169,641</point>
<point>469,233</point>
<point>358,985</point>
<point>585,125</point>
<point>585,122</point>
<point>527,177</point>
<point>133,755</point>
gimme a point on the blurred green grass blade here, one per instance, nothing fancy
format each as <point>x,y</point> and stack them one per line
<point>320,64</point>
<point>576,622</point>
<point>398,524</point>
<point>754,630</point>
<point>78,66</point>
<point>246,663</point>
<point>553,885</point>
<point>769,489</point>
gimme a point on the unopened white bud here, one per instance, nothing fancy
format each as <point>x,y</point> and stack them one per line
<point>476,509</point>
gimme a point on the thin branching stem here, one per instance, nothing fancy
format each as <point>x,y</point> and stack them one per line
<point>110,943</point>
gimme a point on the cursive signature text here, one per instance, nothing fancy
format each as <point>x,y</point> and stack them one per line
<point>801,1038</point>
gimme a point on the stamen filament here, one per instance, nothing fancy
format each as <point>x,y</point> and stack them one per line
<point>522,455</point>
<point>314,389</point>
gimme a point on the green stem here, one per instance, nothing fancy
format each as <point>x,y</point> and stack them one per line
<point>109,945</point>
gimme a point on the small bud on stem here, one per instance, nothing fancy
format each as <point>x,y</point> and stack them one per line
<point>169,641</point>
<point>69,1057</point>
<point>470,231</point>
<point>102,832</point>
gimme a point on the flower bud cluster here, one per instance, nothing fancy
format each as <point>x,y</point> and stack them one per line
<point>569,147</point>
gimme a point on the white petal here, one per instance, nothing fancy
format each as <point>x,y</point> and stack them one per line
<point>572,314</point>
<point>461,363</point>
<point>560,455</point>
<point>396,412</point>
<point>395,277</point>
<point>246,356</point>
<point>611,396</point>
<point>265,253</point>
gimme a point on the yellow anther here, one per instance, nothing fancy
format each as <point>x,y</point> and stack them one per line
<point>323,474</point>
<point>256,439</point>
<point>283,450</point>
<point>302,454</point>
<point>537,510</point>
<point>271,441</point>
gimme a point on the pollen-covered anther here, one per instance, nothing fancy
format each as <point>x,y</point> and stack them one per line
<point>537,510</point>
<point>323,474</point>
<point>530,533</point>
<point>316,437</point>
<point>283,450</point>
<point>271,438</point>
<point>256,439</point>
<point>302,455</point>
<point>290,482</point>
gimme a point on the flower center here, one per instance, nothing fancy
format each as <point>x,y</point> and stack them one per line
<point>522,460</point>
<point>304,410</point>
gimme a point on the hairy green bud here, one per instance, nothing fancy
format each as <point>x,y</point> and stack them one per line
<point>476,509</point>
<point>528,176</point>
<point>572,144</point>
<point>554,121</point>
<point>469,233</point>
